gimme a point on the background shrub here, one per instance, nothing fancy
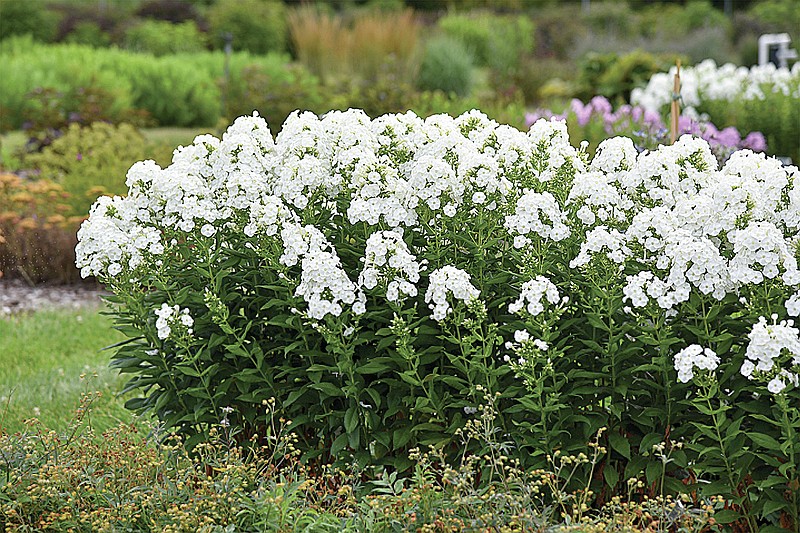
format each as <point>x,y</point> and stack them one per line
<point>446,66</point>
<point>176,90</point>
<point>371,44</point>
<point>614,76</point>
<point>780,15</point>
<point>274,89</point>
<point>160,37</point>
<point>89,161</point>
<point>89,33</point>
<point>174,11</point>
<point>37,235</point>
<point>495,41</point>
<point>29,17</point>
<point>258,26</point>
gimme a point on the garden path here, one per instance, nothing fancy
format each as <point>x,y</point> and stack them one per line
<point>17,296</point>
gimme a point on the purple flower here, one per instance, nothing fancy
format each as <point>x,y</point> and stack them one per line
<point>728,137</point>
<point>582,112</point>
<point>755,141</point>
<point>601,105</point>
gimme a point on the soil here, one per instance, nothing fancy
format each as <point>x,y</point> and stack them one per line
<point>16,296</point>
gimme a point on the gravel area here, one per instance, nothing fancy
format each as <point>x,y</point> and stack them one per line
<point>17,296</point>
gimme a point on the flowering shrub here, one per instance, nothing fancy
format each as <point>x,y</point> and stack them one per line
<point>37,235</point>
<point>596,120</point>
<point>761,98</point>
<point>378,277</point>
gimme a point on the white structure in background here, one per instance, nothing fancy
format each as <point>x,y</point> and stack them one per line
<point>774,47</point>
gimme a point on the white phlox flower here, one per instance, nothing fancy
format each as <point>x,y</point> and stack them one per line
<point>602,240</point>
<point>540,214</point>
<point>770,345</point>
<point>694,356</point>
<point>170,317</point>
<point>388,259</point>
<point>444,282</point>
<point>533,295</point>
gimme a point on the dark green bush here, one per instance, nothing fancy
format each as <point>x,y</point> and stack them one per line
<point>170,10</point>
<point>446,66</point>
<point>258,26</point>
<point>160,37</point>
<point>614,76</point>
<point>20,17</point>
<point>780,15</point>
<point>89,33</point>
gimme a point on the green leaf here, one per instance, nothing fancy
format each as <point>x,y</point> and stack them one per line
<point>338,444</point>
<point>771,506</point>
<point>764,441</point>
<point>726,516</point>
<point>611,476</point>
<point>327,389</point>
<point>351,419</point>
<point>620,444</point>
<point>188,371</point>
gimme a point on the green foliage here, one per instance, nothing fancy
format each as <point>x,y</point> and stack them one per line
<point>160,38</point>
<point>446,66</point>
<point>176,90</point>
<point>27,17</point>
<point>89,33</point>
<point>66,477</point>
<point>88,161</point>
<point>781,15</point>
<point>777,116</point>
<point>274,89</point>
<point>495,41</point>
<point>614,76</point>
<point>48,113</point>
<point>258,26</point>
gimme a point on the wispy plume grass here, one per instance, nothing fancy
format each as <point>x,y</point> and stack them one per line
<point>336,49</point>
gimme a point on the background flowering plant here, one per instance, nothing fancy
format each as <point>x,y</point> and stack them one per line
<point>760,98</point>
<point>380,277</point>
<point>597,120</point>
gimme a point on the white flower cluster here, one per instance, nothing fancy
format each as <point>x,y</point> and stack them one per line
<point>686,225</point>
<point>293,194</point>
<point>532,295</point>
<point>694,356</point>
<point>537,213</point>
<point>170,317</point>
<point>769,343</point>
<point>706,81</point>
<point>387,256</point>
<point>324,284</point>
<point>445,281</point>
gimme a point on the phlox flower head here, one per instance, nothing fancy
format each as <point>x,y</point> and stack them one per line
<point>172,318</point>
<point>533,296</point>
<point>771,346</point>
<point>444,282</point>
<point>694,356</point>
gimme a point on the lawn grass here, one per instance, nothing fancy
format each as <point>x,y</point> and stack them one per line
<point>42,358</point>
